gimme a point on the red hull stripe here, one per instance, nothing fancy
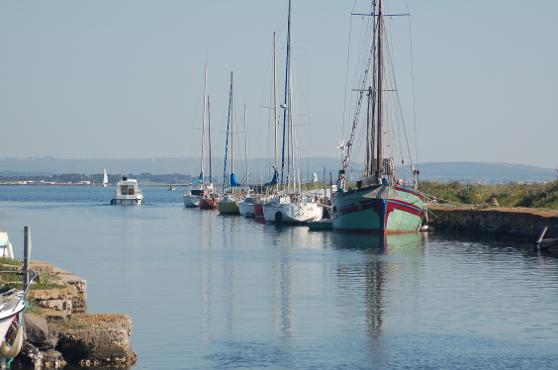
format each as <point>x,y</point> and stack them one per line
<point>404,206</point>
<point>377,205</point>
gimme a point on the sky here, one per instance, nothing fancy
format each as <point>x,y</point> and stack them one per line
<point>124,79</point>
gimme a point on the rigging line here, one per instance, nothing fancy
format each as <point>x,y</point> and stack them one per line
<point>397,95</point>
<point>347,156</point>
<point>413,82</point>
<point>347,73</point>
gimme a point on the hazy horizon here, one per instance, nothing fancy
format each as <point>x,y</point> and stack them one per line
<point>124,79</point>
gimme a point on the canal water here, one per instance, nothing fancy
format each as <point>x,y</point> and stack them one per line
<point>212,292</point>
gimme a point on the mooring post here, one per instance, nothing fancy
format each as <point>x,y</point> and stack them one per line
<point>26,255</point>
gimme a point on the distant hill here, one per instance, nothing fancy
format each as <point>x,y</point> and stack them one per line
<point>260,168</point>
<point>485,172</point>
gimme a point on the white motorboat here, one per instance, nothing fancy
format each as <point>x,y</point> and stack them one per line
<point>292,209</point>
<point>127,193</point>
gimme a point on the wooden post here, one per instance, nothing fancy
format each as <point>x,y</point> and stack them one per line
<point>26,255</point>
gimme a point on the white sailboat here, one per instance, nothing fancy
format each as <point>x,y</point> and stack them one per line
<point>105,178</point>
<point>290,205</point>
<point>197,189</point>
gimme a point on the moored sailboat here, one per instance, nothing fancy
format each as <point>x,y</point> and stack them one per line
<point>198,188</point>
<point>228,204</point>
<point>289,205</point>
<point>379,203</point>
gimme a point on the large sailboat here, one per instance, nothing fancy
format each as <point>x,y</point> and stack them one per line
<point>197,189</point>
<point>290,205</point>
<point>228,205</point>
<point>378,203</point>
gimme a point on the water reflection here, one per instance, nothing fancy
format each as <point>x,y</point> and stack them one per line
<point>370,277</point>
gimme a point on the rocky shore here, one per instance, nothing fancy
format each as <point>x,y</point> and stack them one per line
<point>503,222</point>
<point>61,333</point>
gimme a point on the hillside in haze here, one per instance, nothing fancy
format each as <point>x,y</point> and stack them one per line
<point>261,169</point>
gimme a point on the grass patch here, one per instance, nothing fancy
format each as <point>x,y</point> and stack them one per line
<point>44,281</point>
<point>9,261</point>
<point>508,195</point>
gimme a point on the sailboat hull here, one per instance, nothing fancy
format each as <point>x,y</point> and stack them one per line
<point>227,207</point>
<point>292,213</point>
<point>246,208</point>
<point>208,203</point>
<point>380,209</point>
<point>191,201</point>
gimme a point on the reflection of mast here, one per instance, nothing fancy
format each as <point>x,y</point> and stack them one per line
<point>282,290</point>
<point>374,275</point>
<point>206,276</point>
<point>228,271</point>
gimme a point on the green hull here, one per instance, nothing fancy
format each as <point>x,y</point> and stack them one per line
<point>228,208</point>
<point>379,209</point>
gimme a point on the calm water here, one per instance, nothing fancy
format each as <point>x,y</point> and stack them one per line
<point>213,292</point>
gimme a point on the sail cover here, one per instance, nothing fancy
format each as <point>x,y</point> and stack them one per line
<point>274,179</point>
<point>234,181</point>
<point>198,180</point>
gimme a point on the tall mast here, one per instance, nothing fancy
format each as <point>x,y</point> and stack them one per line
<point>232,126</point>
<point>204,121</point>
<point>209,139</point>
<point>286,107</point>
<point>245,145</point>
<point>379,91</point>
<point>275,101</point>
<point>368,124</point>
<point>229,119</point>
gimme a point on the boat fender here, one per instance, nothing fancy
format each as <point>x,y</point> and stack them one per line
<point>11,351</point>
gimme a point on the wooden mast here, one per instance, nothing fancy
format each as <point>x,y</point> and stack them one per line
<point>379,91</point>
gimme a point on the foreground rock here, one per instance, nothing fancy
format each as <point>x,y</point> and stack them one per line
<point>59,331</point>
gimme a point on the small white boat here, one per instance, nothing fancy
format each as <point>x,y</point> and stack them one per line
<point>127,193</point>
<point>246,207</point>
<point>292,209</point>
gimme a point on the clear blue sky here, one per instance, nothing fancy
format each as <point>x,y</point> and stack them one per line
<point>123,79</point>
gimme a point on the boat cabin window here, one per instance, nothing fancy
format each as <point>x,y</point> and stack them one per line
<point>126,190</point>
<point>196,192</point>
